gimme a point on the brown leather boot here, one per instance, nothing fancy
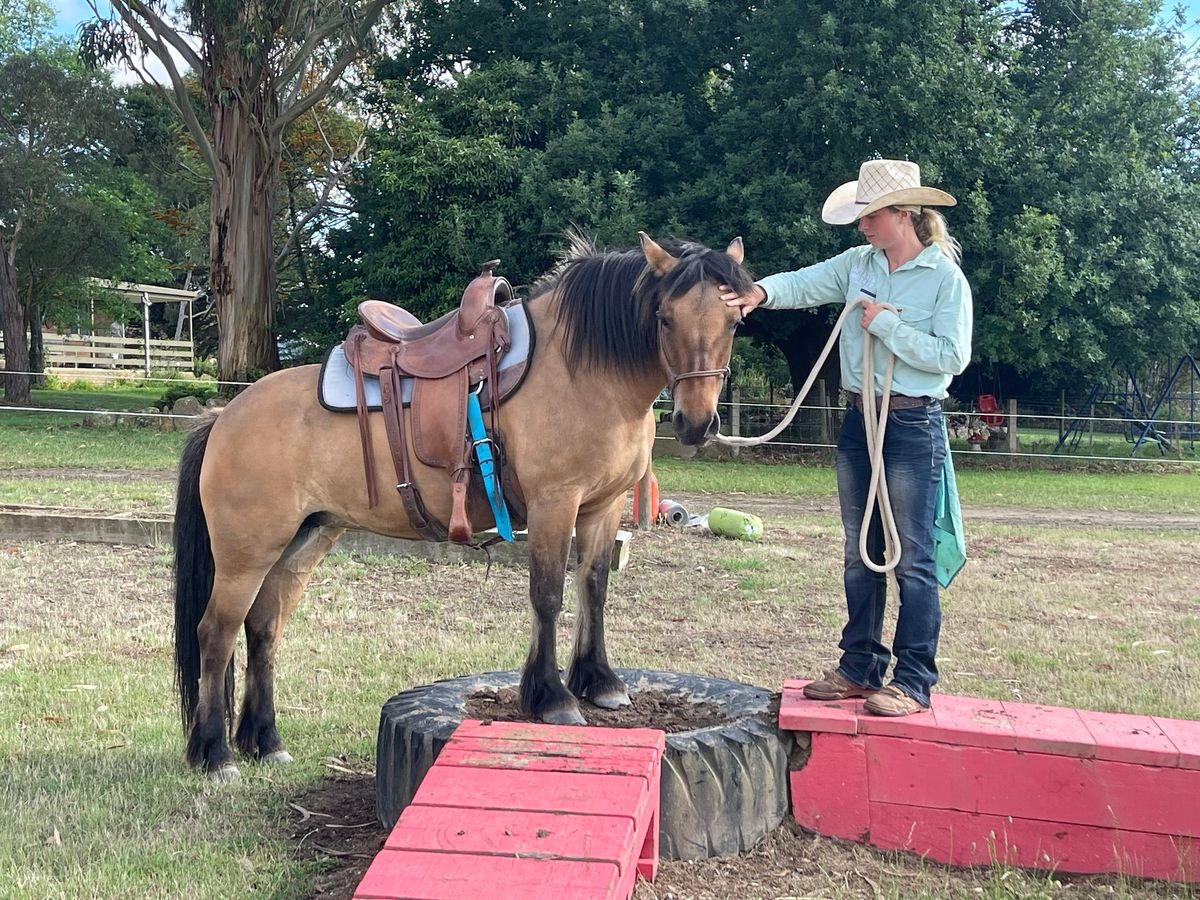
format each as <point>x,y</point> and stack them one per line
<point>892,701</point>
<point>835,686</point>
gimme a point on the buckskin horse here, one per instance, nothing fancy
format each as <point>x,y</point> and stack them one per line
<point>267,486</point>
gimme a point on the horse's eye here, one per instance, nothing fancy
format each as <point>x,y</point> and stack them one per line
<point>665,322</point>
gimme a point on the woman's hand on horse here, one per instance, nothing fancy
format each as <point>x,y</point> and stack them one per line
<point>746,302</point>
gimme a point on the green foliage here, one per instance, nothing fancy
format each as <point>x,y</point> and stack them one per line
<point>1067,133</point>
<point>201,390</point>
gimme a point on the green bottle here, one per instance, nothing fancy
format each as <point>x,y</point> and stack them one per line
<point>733,524</point>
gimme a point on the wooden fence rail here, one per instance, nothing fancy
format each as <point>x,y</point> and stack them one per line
<point>104,352</point>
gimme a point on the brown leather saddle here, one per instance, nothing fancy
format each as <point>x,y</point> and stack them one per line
<point>446,359</point>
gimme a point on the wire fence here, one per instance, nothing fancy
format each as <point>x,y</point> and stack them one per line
<point>1029,430</point>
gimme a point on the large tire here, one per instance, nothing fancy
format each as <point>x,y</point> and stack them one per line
<point>723,787</point>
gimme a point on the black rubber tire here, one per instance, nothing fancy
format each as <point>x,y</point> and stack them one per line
<point>723,788</point>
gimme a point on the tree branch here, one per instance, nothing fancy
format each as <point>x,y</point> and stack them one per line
<point>318,93</point>
<point>183,105</point>
<point>333,180</point>
<point>163,30</point>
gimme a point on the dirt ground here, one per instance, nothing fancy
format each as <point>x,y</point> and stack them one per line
<point>758,613</point>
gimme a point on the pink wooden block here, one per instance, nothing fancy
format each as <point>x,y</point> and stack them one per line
<point>829,795</point>
<point>1046,787</point>
<point>798,713</point>
<point>575,734</point>
<point>1185,735</point>
<point>568,792</point>
<point>972,722</point>
<point>513,832</point>
<point>416,875</point>
<point>1126,738</point>
<point>1049,729</point>
<point>968,839</point>
<point>603,761</point>
<point>920,726</point>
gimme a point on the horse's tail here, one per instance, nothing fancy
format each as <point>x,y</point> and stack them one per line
<point>194,570</point>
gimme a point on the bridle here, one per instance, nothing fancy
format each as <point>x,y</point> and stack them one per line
<point>673,379</point>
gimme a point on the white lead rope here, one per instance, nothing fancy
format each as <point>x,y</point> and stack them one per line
<point>875,425</point>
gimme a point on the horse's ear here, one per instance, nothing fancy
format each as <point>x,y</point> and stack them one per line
<point>660,260</point>
<point>736,251</point>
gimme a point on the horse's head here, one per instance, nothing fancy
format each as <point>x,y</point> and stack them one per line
<point>695,329</point>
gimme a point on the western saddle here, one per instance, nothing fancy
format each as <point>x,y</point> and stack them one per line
<point>446,359</point>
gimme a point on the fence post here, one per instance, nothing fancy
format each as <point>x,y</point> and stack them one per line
<point>1062,414</point>
<point>1091,425</point>
<point>735,417</point>
<point>1012,426</point>
<point>823,412</point>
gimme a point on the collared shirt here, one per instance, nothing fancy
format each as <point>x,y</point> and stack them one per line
<point>931,336</point>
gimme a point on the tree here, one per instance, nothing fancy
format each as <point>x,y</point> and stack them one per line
<point>52,118</point>
<point>260,67</point>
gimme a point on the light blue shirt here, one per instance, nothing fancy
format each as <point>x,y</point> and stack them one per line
<point>931,336</point>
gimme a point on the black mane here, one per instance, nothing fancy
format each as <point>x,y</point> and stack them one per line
<point>608,300</point>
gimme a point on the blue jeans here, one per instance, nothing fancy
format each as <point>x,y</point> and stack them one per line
<point>914,450</point>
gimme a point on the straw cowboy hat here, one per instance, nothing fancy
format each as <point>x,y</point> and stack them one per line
<point>881,182</point>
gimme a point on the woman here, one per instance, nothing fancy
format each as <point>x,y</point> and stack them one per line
<point>909,262</point>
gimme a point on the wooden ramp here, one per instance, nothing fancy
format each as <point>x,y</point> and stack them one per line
<point>976,782</point>
<point>513,810</point>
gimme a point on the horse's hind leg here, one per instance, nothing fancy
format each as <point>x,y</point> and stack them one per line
<point>277,599</point>
<point>237,581</point>
<point>542,692</point>
<point>589,675</point>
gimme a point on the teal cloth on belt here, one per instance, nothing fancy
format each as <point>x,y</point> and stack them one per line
<point>949,541</point>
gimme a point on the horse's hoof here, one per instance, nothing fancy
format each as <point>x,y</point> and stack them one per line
<point>564,715</point>
<point>226,772</point>
<point>611,699</point>
<point>278,758</point>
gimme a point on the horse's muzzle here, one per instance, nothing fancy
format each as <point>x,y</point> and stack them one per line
<point>695,434</point>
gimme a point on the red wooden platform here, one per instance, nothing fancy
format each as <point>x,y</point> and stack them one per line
<point>513,810</point>
<point>972,782</point>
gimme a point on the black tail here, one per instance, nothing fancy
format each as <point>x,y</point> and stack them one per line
<point>193,575</point>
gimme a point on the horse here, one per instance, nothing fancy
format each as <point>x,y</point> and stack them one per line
<point>268,485</point>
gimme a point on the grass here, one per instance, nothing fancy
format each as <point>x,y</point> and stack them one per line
<point>89,739</point>
<point>1177,492</point>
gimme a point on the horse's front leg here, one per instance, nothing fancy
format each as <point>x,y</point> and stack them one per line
<point>589,675</point>
<point>542,691</point>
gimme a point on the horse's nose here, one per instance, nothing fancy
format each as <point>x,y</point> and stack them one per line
<point>694,434</point>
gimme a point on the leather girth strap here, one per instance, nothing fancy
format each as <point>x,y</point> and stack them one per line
<point>393,419</point>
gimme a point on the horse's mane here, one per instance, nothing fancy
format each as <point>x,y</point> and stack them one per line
<point>608,299</point>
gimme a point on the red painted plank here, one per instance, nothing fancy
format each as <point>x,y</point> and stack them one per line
<point>512,832</point>
<point>1046,787</point>
<point>972,722</point>
<point>416,875</point>
<point>1185,735</point>
<point>920,726</point>
<point>1049,729</point>
<point>829,795</point>
<point>568,792</point>
<point>550,757</point>
<point>574,734</point>
<point>1127,738</point>
<point>968,839</point>
<point>798,713</point>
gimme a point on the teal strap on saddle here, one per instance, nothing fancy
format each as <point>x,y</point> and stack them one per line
<point>487,466</point>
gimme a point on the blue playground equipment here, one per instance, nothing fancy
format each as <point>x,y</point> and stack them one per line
<point>1166,417</point>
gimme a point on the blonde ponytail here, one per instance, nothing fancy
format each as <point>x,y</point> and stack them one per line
<point>931,229</point>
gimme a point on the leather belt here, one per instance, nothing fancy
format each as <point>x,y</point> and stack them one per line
<point>897,401</point>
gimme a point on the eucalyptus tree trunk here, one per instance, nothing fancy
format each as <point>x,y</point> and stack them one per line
<point>242,281</point>
<point>12,324</point>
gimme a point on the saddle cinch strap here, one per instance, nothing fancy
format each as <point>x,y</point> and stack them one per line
<point>446,359</point>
